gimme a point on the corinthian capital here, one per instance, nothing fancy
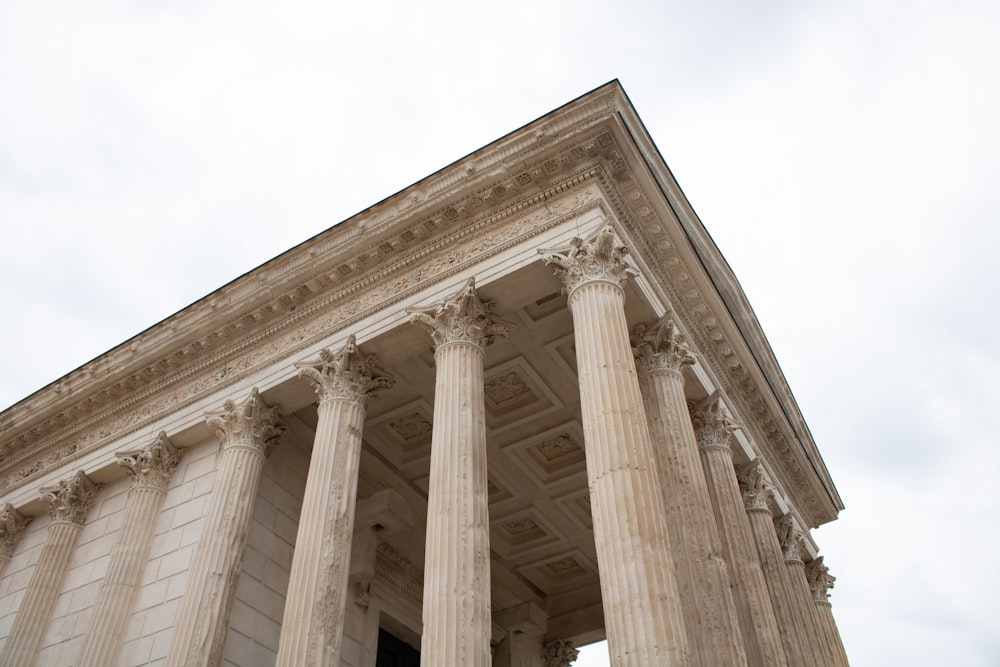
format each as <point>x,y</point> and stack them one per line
<point>819,578</point>
<point>347,374</point>
<point>790,537</point>
<point>559,653</point>
<point>660,346</point>
<point>461,318</point>
<point>753,485</point>
<point>251,424</point>
<point>153,464</point>
<point>585,260</point>
<point>70,499</point>
<point>711,424</point>
<point>12,525</point>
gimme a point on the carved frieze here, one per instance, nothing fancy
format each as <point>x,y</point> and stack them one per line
<point>251,424</point>
<point>71,499</point>
<point>461,318</point>
<point>346,375</point>
<point>153,464</point>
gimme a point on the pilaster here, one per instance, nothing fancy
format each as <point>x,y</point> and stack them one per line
<point>762,640</point>
<point>247,432</point>
<point>68,501</point>
<point>642,610</point>
<point>709,613</point>
<point>456,602</point>
<point>313,623</point>
<point>150,469</point>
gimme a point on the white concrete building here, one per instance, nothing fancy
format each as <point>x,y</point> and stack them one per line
<point>520,406</point>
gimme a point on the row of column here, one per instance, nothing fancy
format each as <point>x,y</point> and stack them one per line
<point>690,573</point>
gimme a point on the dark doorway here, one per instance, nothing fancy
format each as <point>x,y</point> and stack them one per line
<point>394,652</point>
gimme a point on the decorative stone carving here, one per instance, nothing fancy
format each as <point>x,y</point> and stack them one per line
<point>346,375</point>
<point>461,318</point>
<point>151,465</point>
<point>711,424</point>
<point>756,492</point>
<point>250,424</point>
<point>12,524</point>
<point>557,446</point>
<point>660,346</point>
<point>70,499</point>
<point>559,653</point>
<point>819,578</point>
<point>586,260</point>
<point>410,426</point>
<point>505,387</point>
<point>790,538</point>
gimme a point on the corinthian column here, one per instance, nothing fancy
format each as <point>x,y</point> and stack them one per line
<point>642,610</point>
<point>761,637</point>
<point>787,611</point>
<point>820,583</point>
<point>313,624</point>
<point>792,541</point>
<point>69,501</point>
<point>709,614</point>
<point>247,432</point>
<point>12,524</point>
<point>150,469</point>
<point>456,607</point>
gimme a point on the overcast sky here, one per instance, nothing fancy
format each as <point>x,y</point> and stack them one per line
<point>844,155</point>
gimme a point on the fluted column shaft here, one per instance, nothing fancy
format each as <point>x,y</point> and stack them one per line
<point>642,610</point>
<point>312,627</point>
<point>456,603</point>
<point>761,636</point>
<point>69,503</point>
<point>151,468</point>
<point>829,625</point>
<point>709,614</point>
<point>820,582</point>
<point>246,431</point>
<point>786,611</point>
<point>795,571</point>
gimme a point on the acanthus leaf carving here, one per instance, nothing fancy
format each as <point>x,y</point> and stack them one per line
<point>559,653</point>
<point>712,426</point>
<point>251,424</point>
<point>598,258</point>
<point>71,499</point>
<point>12,525</point>
<point>660,346</point>
<point>753,485</point>
<point>461,318</point>
<point>819,578</point>
<point>347,374</point>
<point>153,464</point>
<point>791,538</point>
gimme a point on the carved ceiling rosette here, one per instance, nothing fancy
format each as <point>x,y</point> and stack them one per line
<point>791,538</point>
<point>559,653</point>
<point>251,424</point>
<point>71,499</point>
<point>461,318</point>
<point>346,375</point>
<point>12,524</point>
<point>819,578</point>
<point>711,424</point>
<point>753,485</point>
<point>153,464</point>
<point>598,258</point>
<point>660,347</point>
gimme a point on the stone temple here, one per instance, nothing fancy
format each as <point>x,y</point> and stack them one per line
<point>520,406</point>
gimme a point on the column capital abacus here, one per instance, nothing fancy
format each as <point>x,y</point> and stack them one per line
<point>461,318</point>
<point>597,259</point>
<point>754,487</point>
<point>559,653</point>
<point>347,374</point>
<point>790,537</point>
<point>153,464</point>
<point>12,524</point>
<point>660,347</point>
<point>251,424</point>
<point>71,499</point>
<point>711,424</point>
<point>819,578</point>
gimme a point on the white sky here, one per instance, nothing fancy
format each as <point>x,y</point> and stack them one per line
<point>844,155</point>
